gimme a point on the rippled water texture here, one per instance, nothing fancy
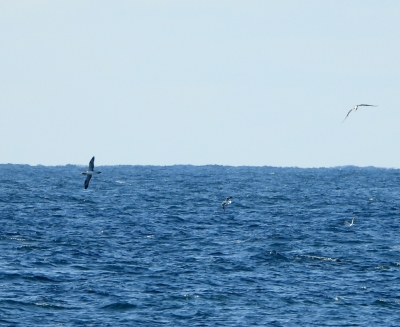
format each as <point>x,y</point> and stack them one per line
<point>149,246</point>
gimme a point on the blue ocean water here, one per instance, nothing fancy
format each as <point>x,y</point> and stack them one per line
<point>151,246</point>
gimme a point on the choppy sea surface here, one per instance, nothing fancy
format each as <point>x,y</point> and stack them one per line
<point>151,246</point>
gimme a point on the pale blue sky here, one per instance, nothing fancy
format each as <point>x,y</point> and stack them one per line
<point>200,82</point>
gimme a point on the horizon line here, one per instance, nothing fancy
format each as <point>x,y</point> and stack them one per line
<point>204,165</point>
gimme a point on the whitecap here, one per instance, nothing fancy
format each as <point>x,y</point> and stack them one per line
<point>382,267</point>
<point>315,257</point>
<point>17,239</point>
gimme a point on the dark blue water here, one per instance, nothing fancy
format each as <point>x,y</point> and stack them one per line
<point>151,246</point>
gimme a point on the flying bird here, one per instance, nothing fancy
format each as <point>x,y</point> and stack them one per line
<point>89,173</point>
<point>227,201</point>
<point>350,224</point>
<point>356,107</point>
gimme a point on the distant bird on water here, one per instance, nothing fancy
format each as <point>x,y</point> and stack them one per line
<point>350,224</point>
<point>356,107</point>
<point>89,173</point>
<point>227,201</point>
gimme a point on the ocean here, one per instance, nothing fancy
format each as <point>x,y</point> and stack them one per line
<point>152,246</point>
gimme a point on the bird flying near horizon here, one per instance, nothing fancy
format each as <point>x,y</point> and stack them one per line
<point>227,201</point>
<point>356,107</point>
<point>89,173</point>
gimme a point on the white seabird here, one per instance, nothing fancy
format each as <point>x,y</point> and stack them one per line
<point>356,107</point>
<point>89,173</point>
<point>350,224</point>
<point>227,201</point>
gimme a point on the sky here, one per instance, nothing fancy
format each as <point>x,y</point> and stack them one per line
<point>154,82</point>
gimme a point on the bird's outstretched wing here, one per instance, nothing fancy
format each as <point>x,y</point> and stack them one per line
<point>91,164</point>
<point>87,180</point>
<point>367,105</point>
<point>348,114</point>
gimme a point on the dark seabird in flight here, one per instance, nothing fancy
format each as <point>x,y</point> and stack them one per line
<point>356,107</point>
<point>227,201</point>
<point>350,224</point>
<point>89,173</point>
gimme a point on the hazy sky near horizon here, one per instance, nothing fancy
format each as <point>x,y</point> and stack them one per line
<point>200,82</point>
